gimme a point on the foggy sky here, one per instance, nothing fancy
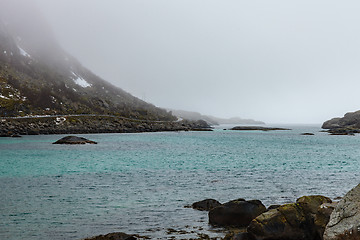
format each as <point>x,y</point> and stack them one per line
<point>278,61</point>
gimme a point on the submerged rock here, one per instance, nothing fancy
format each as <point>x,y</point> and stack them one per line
<point>237,213</point>
<point>344,223</point>
<point>113,236</point>
<point>206,205</point>
<point>74,140</point>
<point>307,134</point>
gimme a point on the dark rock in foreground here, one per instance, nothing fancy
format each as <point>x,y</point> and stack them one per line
<point>294,221</point>
<point>307,134</point>
<point>271,207</point>
<point>205,205</point>
<point>286,222</point>
<point>255,128</point>
<point>344,223</point>
<point>113,236</point>
<point>313,202</point>
<point>322,217</point>
<point>237,213</point>
<point>74,140</point>
<point>239,236</point>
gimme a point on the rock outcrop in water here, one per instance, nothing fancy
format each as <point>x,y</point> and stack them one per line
<point>347,125</point>
<point>74,140</point>
<point>344,221</point>
<point>256,128</point>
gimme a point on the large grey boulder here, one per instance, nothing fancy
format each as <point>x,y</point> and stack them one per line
<point>344,223</point>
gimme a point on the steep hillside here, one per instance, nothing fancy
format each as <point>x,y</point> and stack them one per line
<point>38,77</point>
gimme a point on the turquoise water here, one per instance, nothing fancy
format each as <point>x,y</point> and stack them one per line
<point>139,183</point>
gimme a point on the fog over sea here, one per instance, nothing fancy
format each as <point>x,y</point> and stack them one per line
<point>139,183</point>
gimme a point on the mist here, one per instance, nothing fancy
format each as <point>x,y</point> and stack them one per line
<point>276,61</point>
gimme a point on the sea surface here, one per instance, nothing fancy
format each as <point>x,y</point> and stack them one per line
<point>139,183</point>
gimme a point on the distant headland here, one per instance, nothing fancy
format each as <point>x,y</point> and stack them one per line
<point>347,125</point>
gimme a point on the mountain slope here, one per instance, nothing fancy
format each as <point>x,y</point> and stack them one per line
<point>38,77</point>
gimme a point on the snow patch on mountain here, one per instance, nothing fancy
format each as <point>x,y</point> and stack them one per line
<point>81,81</point>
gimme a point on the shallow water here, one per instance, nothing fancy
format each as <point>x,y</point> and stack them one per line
<point>139,183</point>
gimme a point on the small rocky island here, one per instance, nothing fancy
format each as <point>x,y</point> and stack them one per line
<point>347,125</point>
<point>74,140</point>
<point>256,128</point>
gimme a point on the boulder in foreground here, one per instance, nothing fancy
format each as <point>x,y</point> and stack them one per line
<point>344,223</point>
<point>286,222</point>
<point>74,140</point>
<point>237,213</point>
<point>304,220</point>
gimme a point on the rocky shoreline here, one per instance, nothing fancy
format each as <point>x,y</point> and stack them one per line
<point>12,127</point>
<point>312,217</point>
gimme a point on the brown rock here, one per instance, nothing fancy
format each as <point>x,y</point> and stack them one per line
<point>312,203</point>
<point>288,222</point>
